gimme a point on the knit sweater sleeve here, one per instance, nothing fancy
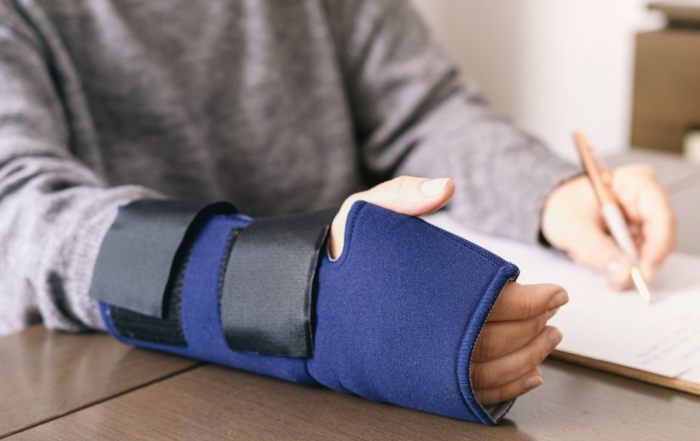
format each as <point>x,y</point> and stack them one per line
<point>54,210</point>
<point>415,116</point>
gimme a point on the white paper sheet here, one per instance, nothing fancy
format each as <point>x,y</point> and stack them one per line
<point>662,337</point>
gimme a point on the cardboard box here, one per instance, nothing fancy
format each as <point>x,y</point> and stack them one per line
<point>666,99</point>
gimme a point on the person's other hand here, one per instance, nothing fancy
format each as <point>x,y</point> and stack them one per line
<point>572,222</point>
<point>515,338</point>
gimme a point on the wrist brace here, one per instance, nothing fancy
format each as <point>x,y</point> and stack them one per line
<point>394,319</point>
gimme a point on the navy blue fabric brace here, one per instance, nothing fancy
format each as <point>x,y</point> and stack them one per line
<point>396,316</point>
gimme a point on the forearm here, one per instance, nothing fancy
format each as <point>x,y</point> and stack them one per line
<point>54,210</point>
<point>53,216</point>
<point>502,175</point>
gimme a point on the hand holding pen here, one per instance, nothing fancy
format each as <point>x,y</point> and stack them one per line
<point>615,219</point>
<point>573,222</point>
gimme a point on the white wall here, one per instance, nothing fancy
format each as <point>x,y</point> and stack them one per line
<point>551,65</point>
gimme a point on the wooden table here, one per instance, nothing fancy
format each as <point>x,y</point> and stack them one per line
<point>88,387</point>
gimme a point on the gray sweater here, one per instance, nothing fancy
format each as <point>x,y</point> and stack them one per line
<point>277,106</point>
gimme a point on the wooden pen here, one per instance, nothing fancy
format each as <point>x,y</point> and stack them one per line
<point>601,180</point>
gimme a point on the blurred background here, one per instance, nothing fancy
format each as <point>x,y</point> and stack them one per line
<point>600,66</point>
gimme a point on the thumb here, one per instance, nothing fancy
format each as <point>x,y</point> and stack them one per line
<point>596,249</point>
<point>408,195</point>
<point>405,195</point>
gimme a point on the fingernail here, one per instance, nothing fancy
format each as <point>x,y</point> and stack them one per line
<point>614,267</point>
<point>559,299</point>
<point>554,337</point>
<point>618,271</point>
<point>433,187</point>
<point>533,382</point>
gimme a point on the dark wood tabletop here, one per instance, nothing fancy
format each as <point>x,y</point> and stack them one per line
<point>88,387</point>
<point>213,403</point>
<point>44,375</point>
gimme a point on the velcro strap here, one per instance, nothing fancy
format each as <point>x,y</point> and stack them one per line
<point>137,254</point>
<point>267,293</point>
<point>168,330</point>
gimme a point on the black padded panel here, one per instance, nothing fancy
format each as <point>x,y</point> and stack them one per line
<point>267,292</point>
<point>137,254</point>
<point>167,330</point>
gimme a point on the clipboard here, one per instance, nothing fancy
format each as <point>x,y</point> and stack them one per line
<point>624,371</point>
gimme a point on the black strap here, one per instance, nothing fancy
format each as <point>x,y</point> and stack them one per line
<point>167,330</point>
<point>267,292</point>
<point>137,254</point>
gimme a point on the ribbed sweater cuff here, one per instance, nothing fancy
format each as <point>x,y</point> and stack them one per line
<point>87,246</point>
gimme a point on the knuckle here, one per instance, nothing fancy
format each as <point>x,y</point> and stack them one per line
<point>536,357</point>
<point>401,187</point>
<point>529,308</point>
<point>533,359</point>
<point>537,325</point>
<point>481,378</point>
<point>488,346</point>
<point>480,349</point>
<point>502,394</point>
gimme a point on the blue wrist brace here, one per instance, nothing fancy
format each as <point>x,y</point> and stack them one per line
<point>396,317</point>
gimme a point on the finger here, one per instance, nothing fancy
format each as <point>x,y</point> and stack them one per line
<point>410,195</point>
<point>595,248</point>
<point>521,302</point>
<point>619,273</point>
<point>501,338</point>
<point>405,194</point>
<point>659,242</point>
<point>647,205</point>
<point>496,373</point>
<point>511,390</point>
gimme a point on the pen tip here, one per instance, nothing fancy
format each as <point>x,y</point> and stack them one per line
<point>641,285</point>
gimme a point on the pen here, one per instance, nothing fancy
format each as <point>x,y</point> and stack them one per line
<point>601,181</point>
